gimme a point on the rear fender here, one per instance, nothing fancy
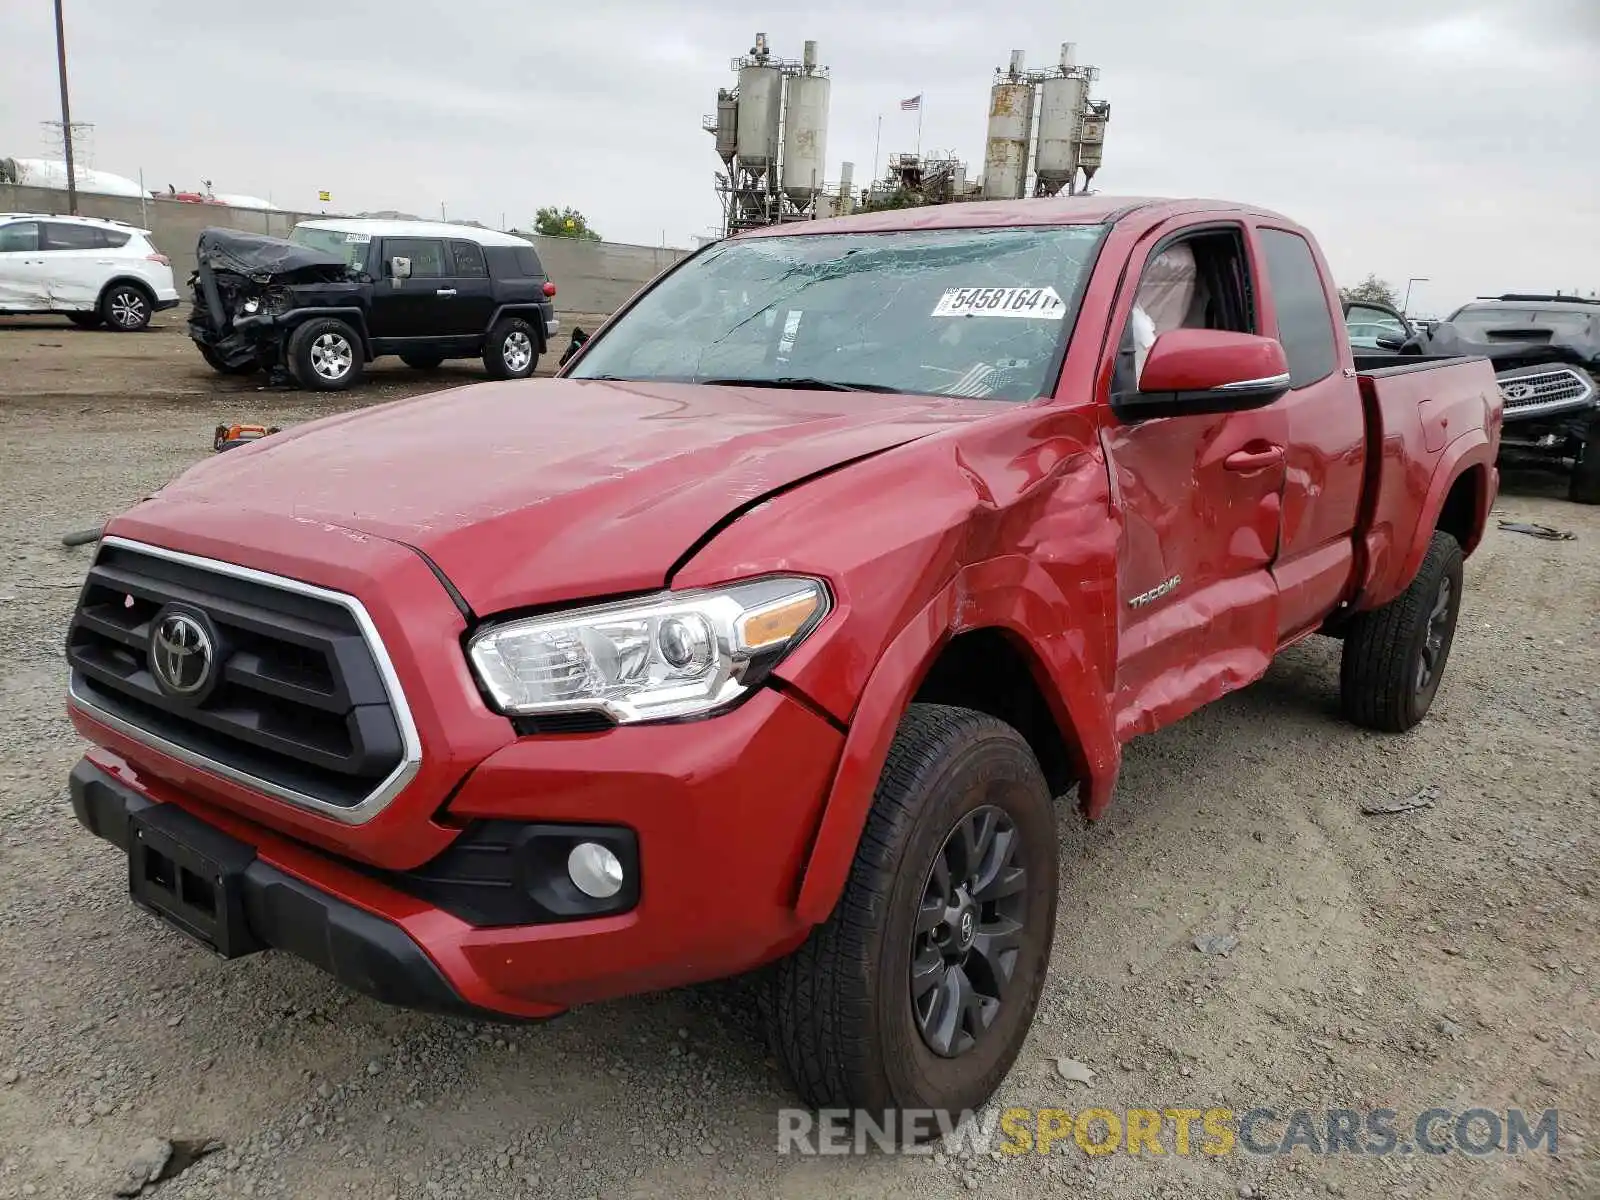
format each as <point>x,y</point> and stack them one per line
<point>133,281</point>
<point>1391,569</point>
<point>532,311</point>
<point>1003,594</point>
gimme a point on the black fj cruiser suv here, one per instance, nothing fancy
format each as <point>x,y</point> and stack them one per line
<point>1546,355</point>
<point>316,307</point>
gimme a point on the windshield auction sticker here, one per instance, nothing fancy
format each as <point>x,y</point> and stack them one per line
<point>1039,304</point>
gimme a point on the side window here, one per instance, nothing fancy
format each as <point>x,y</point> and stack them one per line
<point>114,238</point>
<point>60,236</point>
<point>528,262</point>
<point>469,260</point>
<point>19,236</point>
<point>1361,314</point>
<point>1199,282</point>
<point>426,255</point>
<point>1305,325</point>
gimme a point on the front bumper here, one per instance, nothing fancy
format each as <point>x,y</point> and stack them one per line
<point>362,951</point>
<point>723,812</point>
<point>1552,437</point>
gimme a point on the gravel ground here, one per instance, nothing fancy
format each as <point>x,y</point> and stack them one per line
<point>1443,957</point>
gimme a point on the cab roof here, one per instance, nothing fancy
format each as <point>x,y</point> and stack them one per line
<point>377,227</point>
<point>988,214</point>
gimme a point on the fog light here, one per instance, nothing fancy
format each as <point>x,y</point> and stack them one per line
<point>594,870</point>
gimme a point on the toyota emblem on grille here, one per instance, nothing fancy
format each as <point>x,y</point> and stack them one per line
<point>1516,391</point>
<point>182,655</point>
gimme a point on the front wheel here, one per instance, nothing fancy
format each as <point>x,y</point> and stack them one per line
<point>1584,487</point>
<point>325,355</point>
<point>919,989</point>
<point>1394,656</point>
<point>510,351</point>
<point>126,308</point>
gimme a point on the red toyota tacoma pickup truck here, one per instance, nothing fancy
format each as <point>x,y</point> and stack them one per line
<point>764,636</point>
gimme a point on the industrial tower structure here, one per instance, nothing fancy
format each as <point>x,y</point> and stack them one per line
<point>772,136</point>
<point>1044,128</point>
<point>1070,135</point>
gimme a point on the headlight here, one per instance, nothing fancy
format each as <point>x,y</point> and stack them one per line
<point>677,654</point>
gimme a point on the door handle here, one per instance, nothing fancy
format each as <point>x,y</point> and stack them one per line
<point>445,292</point>
<point>1254,460</point>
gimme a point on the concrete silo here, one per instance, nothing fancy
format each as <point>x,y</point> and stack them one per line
<point>1005,156</point>
<point>805,131</point>
<point>1061,106</point>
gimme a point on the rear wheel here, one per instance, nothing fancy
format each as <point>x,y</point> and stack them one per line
<point>325,355</point>
<point>126,308</point>
<point>422,362</point>
<point>1584,487</point>
<point>1394,656</point>
<point>919,990</point>
<point>86,320</point>
<point>510,352</point>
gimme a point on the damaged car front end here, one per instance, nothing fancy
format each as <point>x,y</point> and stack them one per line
<point>1546,355</point>
<point>247,288</point>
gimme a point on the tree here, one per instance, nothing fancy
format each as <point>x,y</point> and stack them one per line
<point>1371,289</point>
<point>563,222</point>
<point>901,197</point>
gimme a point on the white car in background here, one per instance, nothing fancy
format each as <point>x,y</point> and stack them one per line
<point>92,271</point>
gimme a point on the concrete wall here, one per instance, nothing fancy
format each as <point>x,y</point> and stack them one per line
<point>591,277</point>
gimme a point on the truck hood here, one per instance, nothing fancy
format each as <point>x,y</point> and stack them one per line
<point>261,257</point>
<point>529,493</point>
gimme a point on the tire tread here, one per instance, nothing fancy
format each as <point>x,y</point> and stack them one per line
<point>816,1000</point>
<point>1376,671</point>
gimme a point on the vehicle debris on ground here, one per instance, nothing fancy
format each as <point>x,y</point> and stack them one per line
<point>1423,798</point>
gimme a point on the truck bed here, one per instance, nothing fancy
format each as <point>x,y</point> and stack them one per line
<point>1421,417</point>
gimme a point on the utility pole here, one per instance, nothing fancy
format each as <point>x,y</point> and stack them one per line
<point>1405,304</point>
<point>66,112</point>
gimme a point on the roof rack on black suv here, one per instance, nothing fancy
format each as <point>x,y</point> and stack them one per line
<point>319,305</point>
<point>1537,298</point>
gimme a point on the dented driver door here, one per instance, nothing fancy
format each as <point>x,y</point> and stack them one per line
<point>1199,497</point>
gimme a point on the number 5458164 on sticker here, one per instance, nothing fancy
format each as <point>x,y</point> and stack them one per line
<point>1038,303</point>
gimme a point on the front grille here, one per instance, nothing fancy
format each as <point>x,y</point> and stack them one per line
<point>1539,390</point>
<point>299,707</point>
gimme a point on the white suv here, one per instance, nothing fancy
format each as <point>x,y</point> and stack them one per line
<point>92,271</point>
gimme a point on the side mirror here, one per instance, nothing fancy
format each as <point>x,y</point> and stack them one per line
<point>400,267</point>
<point>1193,371</point>
<point>1390,341</point>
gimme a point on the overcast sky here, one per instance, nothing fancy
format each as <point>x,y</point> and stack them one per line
<point>1454,140</point>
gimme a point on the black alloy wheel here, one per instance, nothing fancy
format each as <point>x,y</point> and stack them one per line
<point>969,931</point>
<point>1431,661</point>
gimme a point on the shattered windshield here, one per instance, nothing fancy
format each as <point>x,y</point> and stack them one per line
<point>352,247</point>
<point>955,312</point>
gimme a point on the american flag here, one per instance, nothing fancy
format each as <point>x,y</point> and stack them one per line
<point>911,105</point>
